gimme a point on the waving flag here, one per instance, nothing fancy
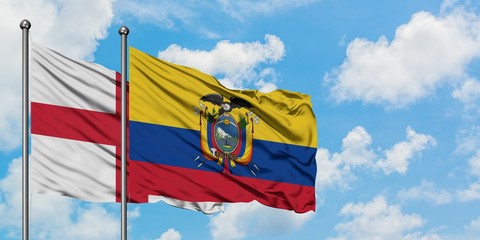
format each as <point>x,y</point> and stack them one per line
<point>75,114</point>
<point>193,139</point>
<point>75,118</point>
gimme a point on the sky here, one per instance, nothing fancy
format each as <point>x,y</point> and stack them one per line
<point>394,85</point>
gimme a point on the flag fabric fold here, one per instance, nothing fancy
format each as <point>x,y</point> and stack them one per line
<point>75,131</point>
<point>194,140</point>
<point>75,121</point>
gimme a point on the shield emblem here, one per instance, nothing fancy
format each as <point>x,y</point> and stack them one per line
<point>226,133</point>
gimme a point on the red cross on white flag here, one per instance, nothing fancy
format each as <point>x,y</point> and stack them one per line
<point>75,127</point>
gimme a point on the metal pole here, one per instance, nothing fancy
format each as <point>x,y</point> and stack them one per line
<point>123,31</point>
<point>25,26</point>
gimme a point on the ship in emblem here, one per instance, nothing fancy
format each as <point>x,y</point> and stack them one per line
<point>226,131</point>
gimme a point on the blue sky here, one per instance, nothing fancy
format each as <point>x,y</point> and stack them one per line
<point>394,85</point>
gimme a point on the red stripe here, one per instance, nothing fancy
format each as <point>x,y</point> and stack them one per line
<point>118,149</point>
<point>197,185</point>
<point>75,124</point>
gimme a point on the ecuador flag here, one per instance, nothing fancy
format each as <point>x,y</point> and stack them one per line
<point>194,140</point>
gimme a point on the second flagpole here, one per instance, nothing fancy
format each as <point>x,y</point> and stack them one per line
<point>123,31</point>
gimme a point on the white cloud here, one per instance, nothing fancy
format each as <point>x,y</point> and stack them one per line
<point>331,171</point>
<point>61,25</point>
<point>470,194</point>
<point>134,213</point>
<point>164,13</point>
<point>242,9</point>
<point>420,236</point>
<point>398,157</point>
<point>11,196</point>
<point>241,220</point>
<point>266,87</point>
<point>58,24</point>
<point>53,217</point>
<point>169,14</point>
<point>468,140</point>
<point>237,63</point>
<point>337,169</point>
<point>425,191</point>
<point>355,151</point>
<point>468,94</point>
<point>377,220</point>
<point>91,222</point>
<point>474,163</point>
<point>473,226</point>
<point>448,5</point>
<point>170,234</point>
<point>411,66</point>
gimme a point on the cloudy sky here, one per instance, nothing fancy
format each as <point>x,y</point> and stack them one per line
<point>395,88</point>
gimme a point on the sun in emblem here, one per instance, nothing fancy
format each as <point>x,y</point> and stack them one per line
<point>226,122</point>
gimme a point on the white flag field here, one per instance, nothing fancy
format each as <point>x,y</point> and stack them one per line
<point>76,131</point>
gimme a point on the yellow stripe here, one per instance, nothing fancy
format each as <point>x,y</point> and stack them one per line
<point>164,93</point>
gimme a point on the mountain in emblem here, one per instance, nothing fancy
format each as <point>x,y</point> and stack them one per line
<point>224,137</point>
<point>222,134</point>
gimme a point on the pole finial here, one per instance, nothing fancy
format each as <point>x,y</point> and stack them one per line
<point>123,30</point>
<point>25,24</point>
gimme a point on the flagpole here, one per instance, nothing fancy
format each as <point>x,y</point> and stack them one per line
<point>123,31</point>
<point>25,26</point>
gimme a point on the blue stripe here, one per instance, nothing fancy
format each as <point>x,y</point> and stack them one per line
<point>180,147</point>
